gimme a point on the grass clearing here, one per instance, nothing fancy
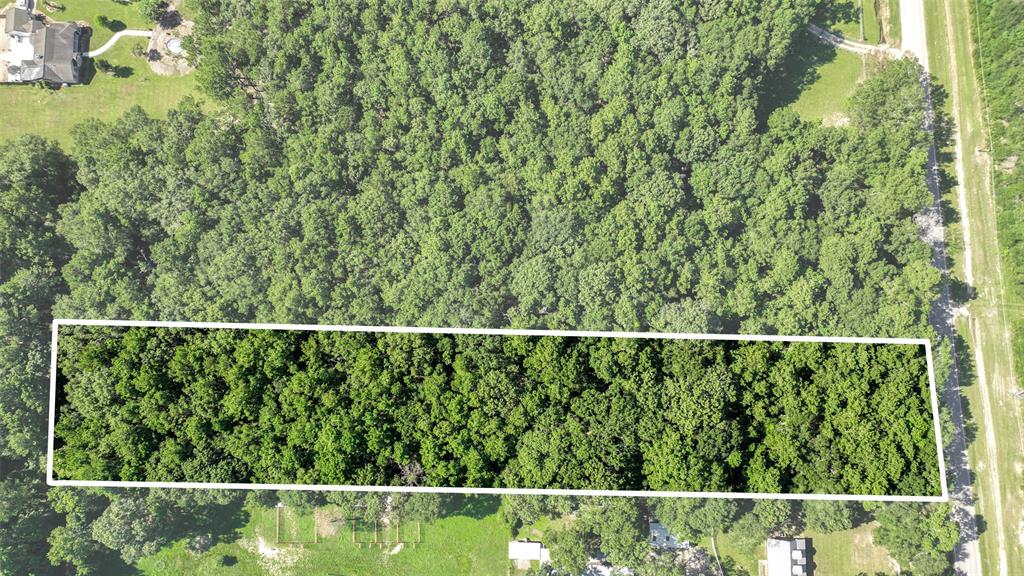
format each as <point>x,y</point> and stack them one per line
<point>538,529</point>
<point>472,544</point>
<point>728,550</point>
<point>845,553</point>
<point>893,7</point>
<point>850,552</point>
<point>872,26</point>
<point>815,81</point>
<point>826,98</point>
<point>847,22</point>
<point>120,16</point>
<point>52,113</point>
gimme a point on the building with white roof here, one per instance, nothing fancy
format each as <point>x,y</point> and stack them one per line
<point>785,557</point>
<point>523,552</point>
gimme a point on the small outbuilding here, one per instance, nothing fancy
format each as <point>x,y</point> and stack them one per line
<point>523,552</point>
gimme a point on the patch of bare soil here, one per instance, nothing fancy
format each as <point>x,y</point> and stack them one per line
<point>835,119</point>
<point>273,560</point>
<point>884,18</point>
<point>328,524</point>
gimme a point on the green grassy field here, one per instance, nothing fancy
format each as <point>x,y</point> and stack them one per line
<point>872,13</point>
<point>996,453</point>
<point>894,21</point>
<point>450,546</point>
<point>872,27</point>
<point>825,99</point>
<point>537,530</point>
<point>845,553</point>
<point>848,27</point>
<point>120,15</point>
<point>52,113</point>
<point>815,81</point>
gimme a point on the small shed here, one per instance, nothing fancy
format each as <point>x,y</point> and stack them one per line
<point>524,551</point>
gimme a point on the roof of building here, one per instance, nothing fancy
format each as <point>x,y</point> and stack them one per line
<point>38,51</point>
<point>20,20</point>
<point>60,53</point>
<point>525,550</point>
<point>786,557</point>
<point>662,538</point>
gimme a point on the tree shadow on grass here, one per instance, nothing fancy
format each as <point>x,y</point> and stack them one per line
<point>226,524</point>
<point>110,564</point>
<point>965,364</point>
<point>122,71</point>
<point>798,71</point>
<point>472,506</point>
<point>834,12</point>
<point>112,25</point>
<point>92,66</point>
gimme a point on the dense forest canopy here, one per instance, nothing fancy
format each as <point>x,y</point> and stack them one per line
<point>597,166</point>
<point>372,408</point>
<point>603,165</point>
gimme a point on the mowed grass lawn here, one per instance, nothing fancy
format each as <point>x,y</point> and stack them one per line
<point>872,27</point>
<point>121,15</point>
<point>455,545</point>
<point>52,113</point>
<point>826,98</point>
<point>845,553</point>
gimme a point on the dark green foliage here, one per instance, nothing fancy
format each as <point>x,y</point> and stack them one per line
<point>828,515</point>
<point>569,549</point>
<point>302,501</point>
<point>766,518</point>
<point>917,535</point>
<point>443,410</point>
<point>528,165</point>
<point>621,527</point>
<point>35,178</point>
<point>693,520</point>
<point>26,520</point>
<point>1000,35</point>
<point>152,9</point>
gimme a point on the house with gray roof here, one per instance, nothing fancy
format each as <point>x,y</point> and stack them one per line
<point>33,49</point>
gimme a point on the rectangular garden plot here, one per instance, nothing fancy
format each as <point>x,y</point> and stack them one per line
<point>492,411</point>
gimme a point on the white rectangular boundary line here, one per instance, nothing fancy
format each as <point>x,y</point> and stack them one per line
<point>51,481</point>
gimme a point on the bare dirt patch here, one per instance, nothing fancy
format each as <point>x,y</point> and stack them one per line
<point>328,523</point>
<point>276,561</point>
<point>835,119</point>
<point>884,20</point>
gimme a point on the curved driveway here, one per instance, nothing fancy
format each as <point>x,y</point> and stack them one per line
<point>117,36</point>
